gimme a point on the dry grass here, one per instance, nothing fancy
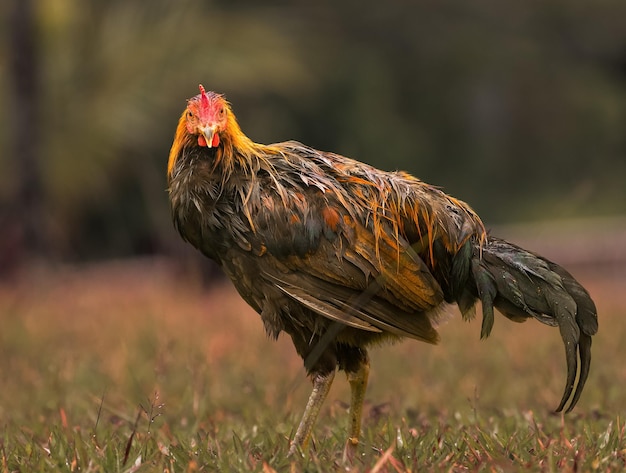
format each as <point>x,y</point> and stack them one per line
<point>133,367</point>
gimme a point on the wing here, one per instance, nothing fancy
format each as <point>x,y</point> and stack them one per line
<point>344,280</point>
<point>336,255</point>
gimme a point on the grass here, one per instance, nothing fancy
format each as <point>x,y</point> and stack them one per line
<point>134,368</point>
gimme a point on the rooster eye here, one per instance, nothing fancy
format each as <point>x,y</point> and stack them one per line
<point>189,114</point>
<point>221,112</point>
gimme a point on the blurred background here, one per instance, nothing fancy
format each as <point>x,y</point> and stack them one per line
<point>518,108</point>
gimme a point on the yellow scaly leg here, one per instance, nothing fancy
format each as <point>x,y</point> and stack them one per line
<point>358,385</point>
<point>321,387</point>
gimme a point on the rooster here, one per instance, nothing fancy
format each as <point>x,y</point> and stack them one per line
<point>340,255</point>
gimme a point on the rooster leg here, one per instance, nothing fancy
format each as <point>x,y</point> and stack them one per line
<point>358,384</point>
<point>321,387</point>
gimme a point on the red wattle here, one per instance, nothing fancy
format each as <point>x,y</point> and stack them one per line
<point>215,141</point>
<point>201,141</point>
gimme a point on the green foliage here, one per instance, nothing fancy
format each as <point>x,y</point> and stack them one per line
<point>504,442</point>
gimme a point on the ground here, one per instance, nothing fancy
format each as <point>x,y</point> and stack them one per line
<point>136,366</point>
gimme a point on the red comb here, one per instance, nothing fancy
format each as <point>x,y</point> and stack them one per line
<point>204,98</point>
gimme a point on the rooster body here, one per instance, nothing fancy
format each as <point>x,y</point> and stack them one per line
<point>340,255</point>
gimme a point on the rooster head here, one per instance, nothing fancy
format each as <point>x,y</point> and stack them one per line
<point>207,116</point>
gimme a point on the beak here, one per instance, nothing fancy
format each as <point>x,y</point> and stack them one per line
<point>208,132</point>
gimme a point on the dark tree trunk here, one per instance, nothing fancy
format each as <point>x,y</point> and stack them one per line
<point>25,220</point>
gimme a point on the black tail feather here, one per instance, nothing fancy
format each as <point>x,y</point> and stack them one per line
<point>521,285</point>
<point>587,321</point>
